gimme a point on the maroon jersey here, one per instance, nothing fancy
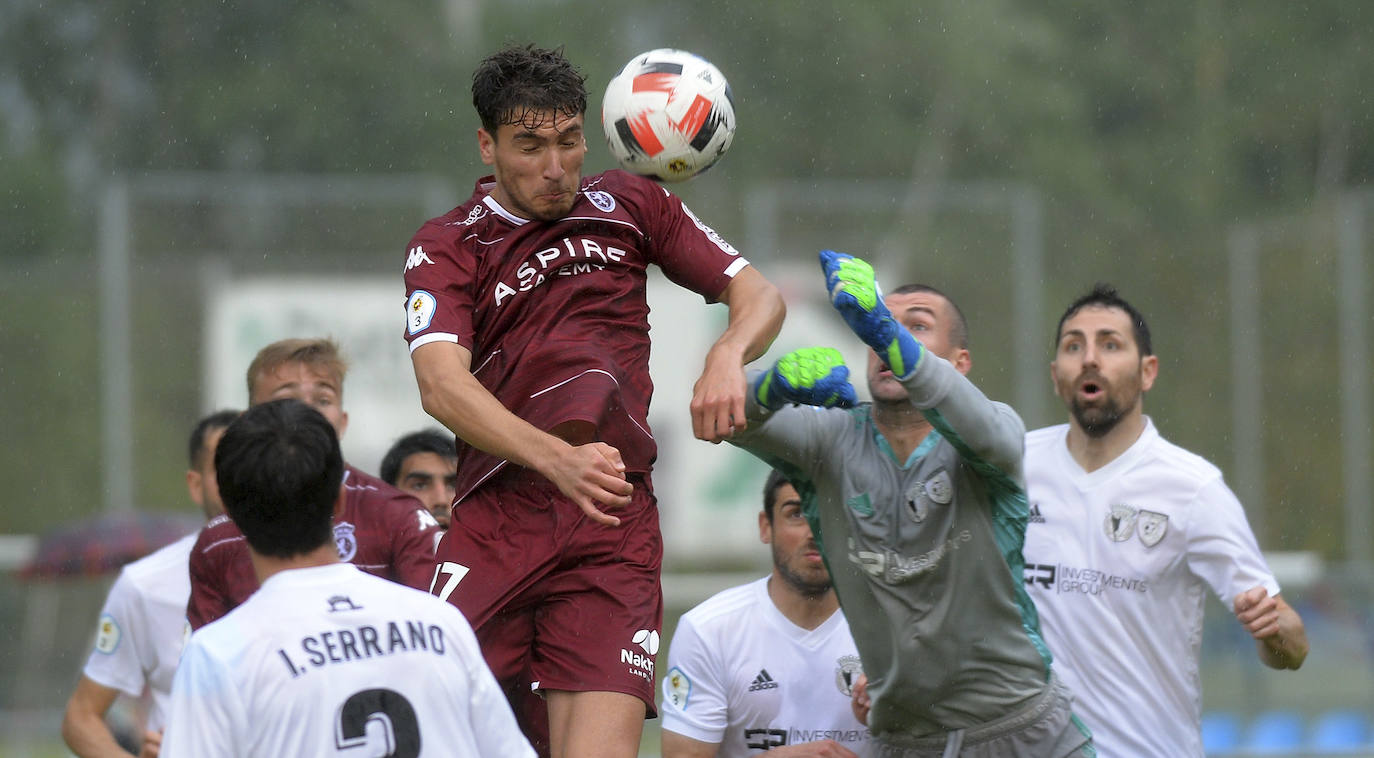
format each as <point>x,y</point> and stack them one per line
<point>554,312</point>
<point>381,530</point>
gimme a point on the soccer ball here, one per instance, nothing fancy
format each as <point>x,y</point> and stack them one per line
<point>668,115</point>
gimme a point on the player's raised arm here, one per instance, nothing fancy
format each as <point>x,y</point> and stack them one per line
<point>756,314</point>
<point>588,474</point>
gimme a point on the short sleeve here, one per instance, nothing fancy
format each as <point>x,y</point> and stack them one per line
<point>690,253</point>
<point>695,692</point>
<point>497,732</point>
<point>414,536</point>
<point>1222,549</point>
<point>115,660</point>
<point>439,297</point>
<point>206,718</point>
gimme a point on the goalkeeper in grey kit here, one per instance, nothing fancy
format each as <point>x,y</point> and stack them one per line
<point>918,501</point>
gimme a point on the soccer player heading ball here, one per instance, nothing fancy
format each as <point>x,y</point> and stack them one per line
<point>528,331</point>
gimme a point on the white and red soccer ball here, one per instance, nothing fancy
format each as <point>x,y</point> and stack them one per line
<point>668,114</point>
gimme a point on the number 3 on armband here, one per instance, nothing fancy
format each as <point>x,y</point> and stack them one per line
<point>455,571</point>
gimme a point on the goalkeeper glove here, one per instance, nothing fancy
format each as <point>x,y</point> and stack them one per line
<point>855,294</point>
<point>811,376</point>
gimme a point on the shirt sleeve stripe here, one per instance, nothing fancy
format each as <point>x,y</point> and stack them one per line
<point>432,337</point>
<point>732,269</point>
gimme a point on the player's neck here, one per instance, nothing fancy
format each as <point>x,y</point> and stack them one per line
<point>265,565</point>
<point>902,425</point>
<point>806,611</point>
<point>1092,453</point>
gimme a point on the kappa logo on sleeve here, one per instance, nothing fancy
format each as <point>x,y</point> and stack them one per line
<point>417,257</point>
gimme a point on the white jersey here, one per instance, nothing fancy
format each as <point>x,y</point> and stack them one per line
<point>320,661</point>
<point>141,628</point>
<point>743,676</point>
<point>1118,562</point>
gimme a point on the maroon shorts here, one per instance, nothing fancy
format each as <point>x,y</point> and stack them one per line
<point>558,602</point>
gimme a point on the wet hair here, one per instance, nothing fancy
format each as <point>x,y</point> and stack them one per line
<point>279,470</point>
<point>321,354</point>
<point>521,85</point>
<point>195,447</point>
<point>775,481</point>
<point>1104,295</point>
<point>424,441</point>
<point>958,330</point>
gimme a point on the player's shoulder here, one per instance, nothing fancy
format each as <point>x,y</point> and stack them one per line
<point>444,232</point>
<point>220,533</point>
<point>166,560</point>
<point>1045,438</point>
<point>727,608</point>
<point>1167,457</point>
<point>369,497</point>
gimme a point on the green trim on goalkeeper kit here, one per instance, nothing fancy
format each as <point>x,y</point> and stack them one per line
<point>858,279</point>
<point>761,391</point>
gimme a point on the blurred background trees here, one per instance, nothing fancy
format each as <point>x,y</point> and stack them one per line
<point>1149,133</point>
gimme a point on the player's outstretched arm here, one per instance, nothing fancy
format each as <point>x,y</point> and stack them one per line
<point>810,376</point>
<point>855,294</point>
<point>588,474</point>
<point>1276,627</point>
<point>756,314</point>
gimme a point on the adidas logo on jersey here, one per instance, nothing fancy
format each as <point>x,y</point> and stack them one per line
<point>763,682</point>
<point>1035,516</point>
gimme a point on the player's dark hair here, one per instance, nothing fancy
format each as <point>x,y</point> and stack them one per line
<point>1104,295</point>
<point>423,441</point>
<point>279,470</point>
<point>775,481</point>
<point>958,330</point>
<point>519,85</point>
<point>195,447</point>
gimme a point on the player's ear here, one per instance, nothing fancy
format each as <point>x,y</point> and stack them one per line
<point>1149,369</point>
<point>486,145</point>
<point>193,486</point>
<point>765,529</point>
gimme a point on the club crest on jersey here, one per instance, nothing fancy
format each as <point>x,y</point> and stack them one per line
<point>345,541</point>
<point>1151,526</point>
<point>1120,523</point>
<point>916,505</point>
<point>847,671</point>
<point>602,200</point>
<point>420,309</point>
<point>107,634</point>
<point>938,488</point>
<point>677,688</point>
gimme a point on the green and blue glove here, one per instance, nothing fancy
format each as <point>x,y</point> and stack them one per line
<point>855,294</point>
<point>810,376</point>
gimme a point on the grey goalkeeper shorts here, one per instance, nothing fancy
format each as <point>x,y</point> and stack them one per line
<point>1043,728</point>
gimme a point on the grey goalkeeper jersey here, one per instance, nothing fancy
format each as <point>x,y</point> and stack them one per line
<point>926,553</point>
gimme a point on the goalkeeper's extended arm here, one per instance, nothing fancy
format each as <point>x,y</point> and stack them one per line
<point>855,294</point>
<point>811,376</point>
